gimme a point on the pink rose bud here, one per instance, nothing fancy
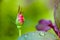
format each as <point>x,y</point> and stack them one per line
<point>20,18</point>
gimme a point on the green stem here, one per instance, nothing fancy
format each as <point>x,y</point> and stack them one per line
<point>19,28</point>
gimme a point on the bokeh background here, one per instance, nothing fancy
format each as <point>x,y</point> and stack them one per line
<point>33,11</point>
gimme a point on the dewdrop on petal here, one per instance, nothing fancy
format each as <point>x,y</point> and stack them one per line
<point>38,35</point>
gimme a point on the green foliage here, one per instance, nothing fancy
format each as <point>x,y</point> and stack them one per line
<point>8,28</point>
<point>32,13</point>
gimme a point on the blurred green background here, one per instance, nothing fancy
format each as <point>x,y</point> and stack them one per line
<point>33,11</point>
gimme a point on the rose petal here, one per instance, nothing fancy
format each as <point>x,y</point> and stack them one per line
<point>41,27</point>
<point>45,22</point>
